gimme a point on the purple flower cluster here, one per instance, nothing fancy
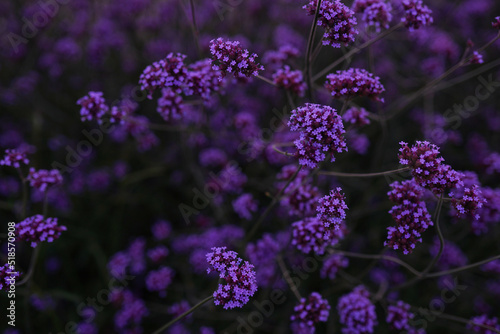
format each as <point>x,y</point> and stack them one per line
<point>309,312</point>
<point>468,201</point>
<point>131,313</point>
<point>42,179</point>
<point>244,206</point>
<point>428,168</point>
<point>416,14</point>
<point>485,321</point>
<point>496,23</point>
<point>36,229</point>
<point>7,279</point>
<point>230,57</point>
<point>337,19</point>
<point>331,209</point>
<point>359,6</point>
<point>159,280</point>
<point>378,15</point>
<point>356,116</point>
<point>290,80</point>
<point>14,158</point>
<point>93,106</point>
<point>202,79</point>
<point>356,312</point>
<point>170,72</point>
<point>310,235</point>
<point>321,132</point>
<point>262,254</point>
<point>410,214</point>
<point>170,105</point>
<point>238,275</point>
<point>332,265</point>
<point>399,316</point>
<point>354,82</point>
<point>476,58</point>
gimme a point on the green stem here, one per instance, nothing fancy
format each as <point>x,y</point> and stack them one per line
<point>161,329</point>
<point>364,174</point>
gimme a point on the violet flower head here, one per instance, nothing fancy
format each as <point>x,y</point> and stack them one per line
<point>309,312</point>
<point>331,209</point>
<point>354,82</point>
<point>290,80</point>
<point>157,254</point>
<point>118,264</point>
<point>332,265</point>
<point>14,158</point>
<point>492,163</point>
<point>161,230</point>
<point>239,278</point>
<point>428,168</point>
<point>321,132</point>
<point>169,72</point>
<point>244,206</point>
<point>468,201</point>
<point>170,105</point>
<point>262,254</point>
<point>399,315</point>
<point>7,276</point>
<point>416,14</point>
<point>159,280</point>
<point>337,19</point>
<point>483,320</point>
<point>359,6</point>
<point>476,58</point>
<point>378,15</point>
<point>496,24</point>
<point>42,179</point>
<point>356,312</point>
<point>202,79</point>
<point>36,229</point>
<point>230,57</point>
<point>93,106</point>
<point>356,116</point>
<point>310,235</point>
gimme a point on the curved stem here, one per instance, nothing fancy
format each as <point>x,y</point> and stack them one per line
<point>459,269</point>
<point>265,80</point>
<point>270,206</point>
<point>356,50</point>
<point>310,41</point>
<point>161,329</point>
<point>31,269</point>
<point>281,152</point>
<point>364,174</point>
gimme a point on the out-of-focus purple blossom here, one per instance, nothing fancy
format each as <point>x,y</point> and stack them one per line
<point>496,23</point>
<point>279,57</point>
<point>399,317</point>
<point>120,169</point>
<point>356,312</point>
<point>136,252</point>
<point>321,132</point>
<point>239,278</point>
<point>309,312</point>
<point>358,142</point>
<point>161,230</point>
<point>118,264</point>
<point>9,186</point>
<point>170,105</point>
<point>178,308</point>
<point>244,206</point>
<point>354,82</point>
<point>86,328</point>
<point>331,209</point>
<point>159,280</point>
<point>428,168</point>
<point>378,15</point>
<point>337,19</point>
<point>290,80</point>
<point>7,276</point>
<point>310,235</point>
<point>451,257</point>
<point>416,14</point>
<point>356,116</point>
<point>262,254</point>
<point>213,157</point>
<point>93,106</point>
<point>98,180</point>
<point>42,303</point>
<point>230,179</point>
<point>131,313</point>
<point>332,265</point>
<point>492,267</point>
<point>36,229</point>
<point>246,124</point>
<point>359,6</point>
<point>158,253</point>
<point>42,179</point>
<point>486,321</point>
<point>492,163</point>
<point>169,72</point>
<point>230,57</point>
<point>14,158</point>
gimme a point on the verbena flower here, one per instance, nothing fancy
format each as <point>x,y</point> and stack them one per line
<point>159,280</point>
<point>399,317</point>
<point>359,6</point>
<point>337,19</point>
<point>354,82</point>
<point>170,72</point>
<point>290,80</point>
<point>321,132</point>
<point>451,257</point>
<point>230,57</point>
<point>170,105</point>
<point>309,312</point>
<point>476,58</point>
<point>356,116</point>
<point>428,168</point>
<point>244,206</point>
<point>356,312</point>
<point>331,209</point>
<point>93,106</point>
<point>332,265</point>
<point>483,320</point>
<point>467,201</point>
<point>161,230</point>
<point>202,79</point>
<point>7,279</point>
<point>416,14</point>
<point>310,235</point>
<point>378,15</point>
<point>43,179</point>
<point>158,253</point>
<point>14,158</point>
<point>239,278</point>
<point>36,229</point>
<point>262,253</point>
